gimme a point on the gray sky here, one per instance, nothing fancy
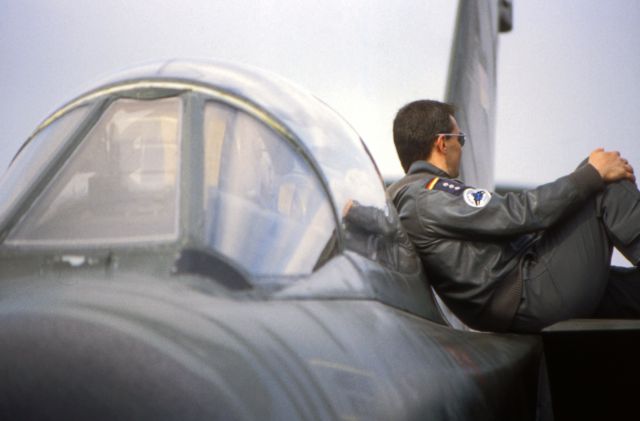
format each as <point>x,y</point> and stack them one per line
<point>365,58</point>
<point>568,82</point>
<point>568,73</point>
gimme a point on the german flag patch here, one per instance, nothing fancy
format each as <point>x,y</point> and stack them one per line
<point>443,184</point>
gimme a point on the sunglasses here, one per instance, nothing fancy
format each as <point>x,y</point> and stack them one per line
<point>461,136</point>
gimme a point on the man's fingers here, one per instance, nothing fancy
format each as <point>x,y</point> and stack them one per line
<point>611,165</point>
<point>629,173</point>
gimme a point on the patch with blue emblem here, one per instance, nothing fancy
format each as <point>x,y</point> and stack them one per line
<point>476,198</point>
<point>443,184</point>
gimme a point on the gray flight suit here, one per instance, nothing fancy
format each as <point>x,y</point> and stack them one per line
<point>522,261</point>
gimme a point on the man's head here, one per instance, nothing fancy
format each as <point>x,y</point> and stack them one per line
<point>425,130</point>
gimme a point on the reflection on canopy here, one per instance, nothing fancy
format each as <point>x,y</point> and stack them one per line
<point>264,207</point>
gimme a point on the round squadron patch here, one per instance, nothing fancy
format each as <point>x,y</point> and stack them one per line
<point>476,198</point>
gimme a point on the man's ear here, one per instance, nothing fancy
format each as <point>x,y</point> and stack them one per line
<point>440,145</point>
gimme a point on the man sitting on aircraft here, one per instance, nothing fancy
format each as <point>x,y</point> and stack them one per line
<point>519,261</point>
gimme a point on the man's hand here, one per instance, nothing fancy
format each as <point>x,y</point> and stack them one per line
<point>611,166</point>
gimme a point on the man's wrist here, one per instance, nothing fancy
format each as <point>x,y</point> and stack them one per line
<point>588,179</point>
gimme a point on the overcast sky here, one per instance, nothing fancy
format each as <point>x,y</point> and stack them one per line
<point>567,74</point>
<point>569,81</point>
<point>365,58</point>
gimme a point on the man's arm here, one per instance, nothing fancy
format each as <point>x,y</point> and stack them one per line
<point>461,216</point>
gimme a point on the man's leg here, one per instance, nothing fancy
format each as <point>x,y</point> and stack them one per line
<point>619,208</point>
<point>569,273</point>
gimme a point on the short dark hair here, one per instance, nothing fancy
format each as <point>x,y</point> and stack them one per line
<point>416,128</point>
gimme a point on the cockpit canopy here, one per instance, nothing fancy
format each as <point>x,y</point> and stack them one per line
<point>211,155</point>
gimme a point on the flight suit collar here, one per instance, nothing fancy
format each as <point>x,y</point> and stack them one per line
<point>424,166</point>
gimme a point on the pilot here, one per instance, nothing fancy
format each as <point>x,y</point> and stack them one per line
<point>519,261</point>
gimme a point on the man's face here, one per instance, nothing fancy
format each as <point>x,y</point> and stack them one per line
<point>454,150</point>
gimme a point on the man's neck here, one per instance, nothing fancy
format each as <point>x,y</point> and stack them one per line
<point>438,163</point>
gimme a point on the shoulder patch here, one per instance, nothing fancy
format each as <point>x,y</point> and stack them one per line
<point>476,198</point>
<point>450,186</point>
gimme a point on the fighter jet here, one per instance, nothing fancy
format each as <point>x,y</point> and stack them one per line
<point>196,240</point>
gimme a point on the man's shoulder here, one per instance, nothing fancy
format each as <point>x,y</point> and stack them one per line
<point>454,187</point>
<point>396,189</point>
<point>424,183</point>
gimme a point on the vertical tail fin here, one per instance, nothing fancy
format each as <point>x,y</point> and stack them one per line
<point>471,84</point>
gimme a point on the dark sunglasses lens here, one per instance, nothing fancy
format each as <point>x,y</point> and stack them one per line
<point>462,139</point>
